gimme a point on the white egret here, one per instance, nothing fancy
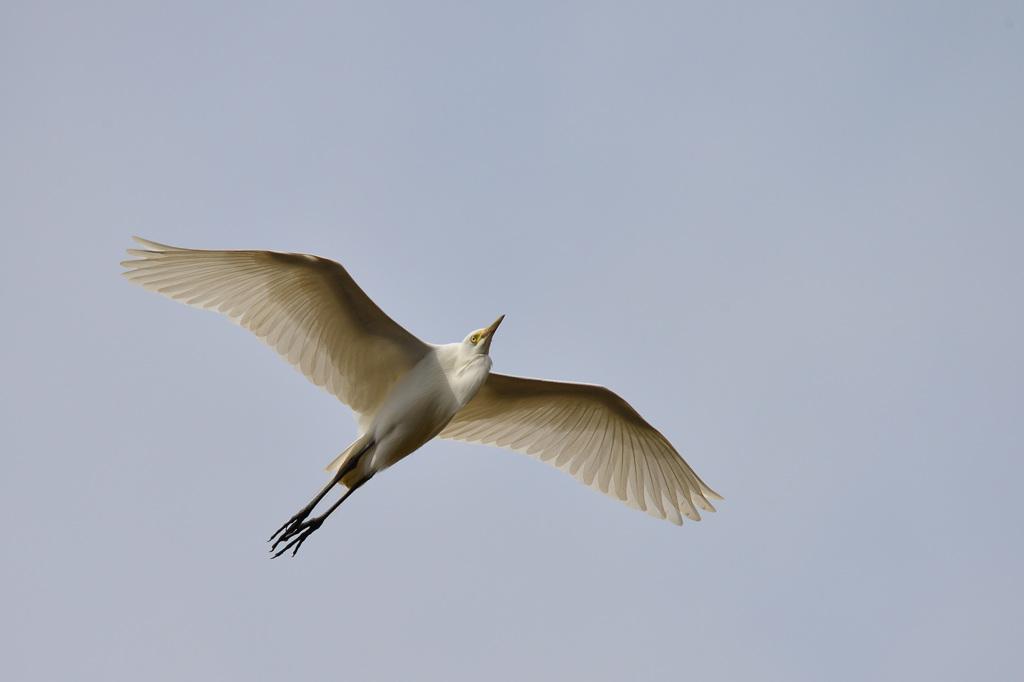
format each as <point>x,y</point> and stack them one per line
<point>405,392</point>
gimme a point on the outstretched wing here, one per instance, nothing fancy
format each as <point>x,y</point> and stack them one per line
<point>587,431</point>
<point>306,308</point>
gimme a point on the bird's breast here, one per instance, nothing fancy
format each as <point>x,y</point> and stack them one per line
<point>416,409</point>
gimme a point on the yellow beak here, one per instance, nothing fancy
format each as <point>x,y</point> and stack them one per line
<point>485,337</point>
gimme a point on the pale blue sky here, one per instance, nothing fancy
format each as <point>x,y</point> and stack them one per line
<point>791,237</point>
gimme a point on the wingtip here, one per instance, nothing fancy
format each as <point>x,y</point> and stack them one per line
<point>151,245</point>
<point>710,494</point>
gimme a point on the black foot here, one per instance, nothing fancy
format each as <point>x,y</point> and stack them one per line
<point>295,533</point>
<point>289,524</point>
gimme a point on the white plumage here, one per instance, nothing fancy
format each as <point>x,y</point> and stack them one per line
<point>405,392</point>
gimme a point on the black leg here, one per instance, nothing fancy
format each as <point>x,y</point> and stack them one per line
<point>298,522</point>
<point>297,533</point>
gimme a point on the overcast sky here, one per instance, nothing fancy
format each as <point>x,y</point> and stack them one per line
<point>792,238</point>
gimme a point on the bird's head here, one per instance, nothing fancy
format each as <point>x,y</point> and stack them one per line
<point>479,342</point>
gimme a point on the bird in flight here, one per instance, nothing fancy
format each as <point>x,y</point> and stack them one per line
<point>405,391</point>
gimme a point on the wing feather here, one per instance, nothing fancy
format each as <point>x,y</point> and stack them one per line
<point>306,308</point>
<point>628,457</point>
<point>590,433</point>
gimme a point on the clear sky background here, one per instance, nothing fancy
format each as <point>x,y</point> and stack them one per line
<point>792,237</point>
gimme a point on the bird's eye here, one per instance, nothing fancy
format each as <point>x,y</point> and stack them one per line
<point>474,338</point>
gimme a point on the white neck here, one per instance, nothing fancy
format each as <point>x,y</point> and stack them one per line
<point>466,371</point>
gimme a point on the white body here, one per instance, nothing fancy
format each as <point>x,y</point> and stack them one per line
<point>417,408</point>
